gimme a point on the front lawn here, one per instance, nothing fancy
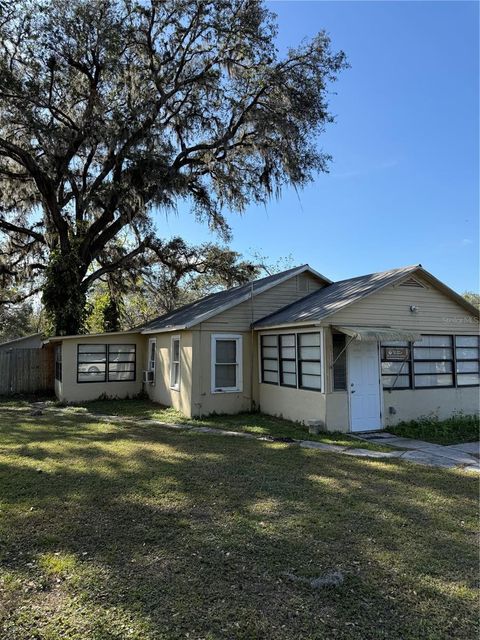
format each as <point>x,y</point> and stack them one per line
<point>259,424</point>
<point>455,430</point>
<point>115,531</point>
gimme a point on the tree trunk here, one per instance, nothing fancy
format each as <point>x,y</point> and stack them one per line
<point>63,296</point>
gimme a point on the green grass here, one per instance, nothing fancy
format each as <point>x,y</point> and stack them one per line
<point>256,423</point>
<point>455,430</point>
<point>112,531</point>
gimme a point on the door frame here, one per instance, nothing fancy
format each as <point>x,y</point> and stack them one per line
<point>380,389</point>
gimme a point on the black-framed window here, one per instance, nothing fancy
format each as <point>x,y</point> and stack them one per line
<point>309,361</point>
<point>101,362</point>
<point>269,359</point>
<point>288,360</point>
<point>121,362</point>
<point>467,360</point>
<point>58,362</point>
<point>339,362</point>
<point>433,361</point>
<point>396,365</point>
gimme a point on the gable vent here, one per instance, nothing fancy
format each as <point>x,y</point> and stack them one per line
<point>411,282</point>
<point>302,283</point>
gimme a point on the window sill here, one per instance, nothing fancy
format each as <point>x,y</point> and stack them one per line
<point>229,390</point>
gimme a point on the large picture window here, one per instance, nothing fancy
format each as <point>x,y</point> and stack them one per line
<point>433,361</point>
<point>309,361</point>
<point>396,373</point>
<point>102,363</point>
<point>467,354</point>
<point>226,363</point>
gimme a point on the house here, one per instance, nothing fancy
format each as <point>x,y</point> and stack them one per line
<point>355,355</point>
<point>33,341</point>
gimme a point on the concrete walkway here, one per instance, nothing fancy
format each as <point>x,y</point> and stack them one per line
<point>464,455</point>
<point>416,451</point>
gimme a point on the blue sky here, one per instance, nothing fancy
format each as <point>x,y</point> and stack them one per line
<point>403,185</point>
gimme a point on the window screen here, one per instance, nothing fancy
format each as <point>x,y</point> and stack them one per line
<point>309,361</point>
<point>467,354</point>
<point>433,361</point>
<point>339,362</point>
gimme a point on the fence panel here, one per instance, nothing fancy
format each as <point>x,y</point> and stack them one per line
<point>26,371</point>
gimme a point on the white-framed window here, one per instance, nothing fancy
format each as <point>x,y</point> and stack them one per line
<point>226,357</point>
<point>175,363</point>
<point>152,354</point>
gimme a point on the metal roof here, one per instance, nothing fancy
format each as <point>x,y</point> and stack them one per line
<point>205,308</point>
<point>324,302</point>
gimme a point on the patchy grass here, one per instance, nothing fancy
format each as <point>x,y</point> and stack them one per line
<point>455,430</point>
<point>257,423</point>
<point>117,531</point>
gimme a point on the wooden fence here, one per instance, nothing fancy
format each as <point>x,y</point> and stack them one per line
<point>26,371</point>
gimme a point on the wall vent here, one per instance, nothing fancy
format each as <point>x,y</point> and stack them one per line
<point>411,282</point>
<point>302,283</point>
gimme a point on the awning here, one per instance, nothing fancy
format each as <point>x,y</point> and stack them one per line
<point>383,334</point>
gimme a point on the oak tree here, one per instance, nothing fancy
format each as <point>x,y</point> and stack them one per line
<point>112,111</point>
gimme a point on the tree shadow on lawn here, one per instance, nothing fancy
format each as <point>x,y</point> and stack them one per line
<point>172,533</point>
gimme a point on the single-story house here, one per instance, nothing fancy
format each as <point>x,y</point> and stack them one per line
<point>33,341</point>
<point>355,355</point>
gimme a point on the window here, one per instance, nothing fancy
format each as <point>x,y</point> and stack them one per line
<point>396,372</point>
<point>175,363</point>
<point>288,360</point>
<point>467,353</point>
<point>226,363</point>
<point>91,363</point>
<point>121,362</point>
<point>339,362</point>
<point>433,361</point>
<point>269,358</point>
<point>99,362</point>
<point>152,349</point>
<point>309,361</point>
<point>58,362</point>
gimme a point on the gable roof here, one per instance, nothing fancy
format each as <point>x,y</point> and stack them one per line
<point>205,308</point>
<point>15,340</point>
<point>327,301</point>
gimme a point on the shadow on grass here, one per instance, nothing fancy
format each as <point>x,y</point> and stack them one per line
<point>168,533</point>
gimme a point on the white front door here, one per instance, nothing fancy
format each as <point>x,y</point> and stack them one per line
<point>364,386</point>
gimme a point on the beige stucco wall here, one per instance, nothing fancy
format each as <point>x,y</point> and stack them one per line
<point>204,401</point>
<point>298,405</point>
<point>69,390</point>
<point>161,391</point>
<point>410,404</point>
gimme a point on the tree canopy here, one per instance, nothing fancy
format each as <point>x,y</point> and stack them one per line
<point>113,109</point>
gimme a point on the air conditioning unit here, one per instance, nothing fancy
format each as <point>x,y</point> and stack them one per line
<point>149,376</point>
